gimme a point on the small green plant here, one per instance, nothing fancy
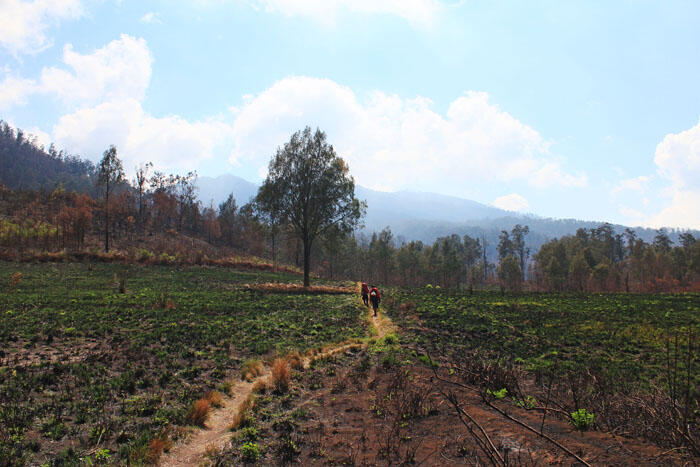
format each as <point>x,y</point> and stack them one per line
<point>103,455</point>
<point>250,452</point>
<point>288,449</point>
<point>500,394</point>
<point>582,419</point>
<point>249,433</point>
<point>527,403</point>
<point>429,362</point>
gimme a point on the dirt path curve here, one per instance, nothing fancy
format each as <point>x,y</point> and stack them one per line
<point>192,450</point>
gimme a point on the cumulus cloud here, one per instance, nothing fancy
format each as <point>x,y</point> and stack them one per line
<point>23,24</point>
<point>104,91</point>
<point>421,13</point>
<point>512,202</point>
<point>394,143</point>
<point>678,160</point>
<point>681,211</point>
<point>169,142</point>
<point>119,70</point>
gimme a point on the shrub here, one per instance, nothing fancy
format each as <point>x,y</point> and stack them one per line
<point>280,375</point>
<point>582,419</point>
<point>259,387</point>
<point>250,452</point>
<point>242,417</point>
<point>155,449</point>
<point>227,386</point>
<point>199,412</point>
<point>251,369</point>
<point>295,360</point>
<point>249,433</point>
<point>215,398</point>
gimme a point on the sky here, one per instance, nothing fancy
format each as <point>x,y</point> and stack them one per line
<point>565,109</point>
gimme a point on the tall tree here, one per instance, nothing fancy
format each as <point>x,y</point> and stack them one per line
<point>518,244</point>
<point>505,245</point>
<point>110,173</point>
<point>140,184</point>
<point>312,188</point>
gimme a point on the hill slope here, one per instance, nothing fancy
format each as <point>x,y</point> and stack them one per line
<point>24,165</point>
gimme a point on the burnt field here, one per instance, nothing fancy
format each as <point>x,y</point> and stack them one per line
<point>97,360</point>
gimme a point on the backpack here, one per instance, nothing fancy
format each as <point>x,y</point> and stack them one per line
<point>373,293</point>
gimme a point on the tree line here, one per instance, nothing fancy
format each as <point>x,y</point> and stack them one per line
<point>603,260</point>
<point>305,214</point>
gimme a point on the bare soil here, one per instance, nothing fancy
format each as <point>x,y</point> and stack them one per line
<point>397,416</point>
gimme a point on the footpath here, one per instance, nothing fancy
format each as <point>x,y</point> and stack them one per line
<point>216,433</point>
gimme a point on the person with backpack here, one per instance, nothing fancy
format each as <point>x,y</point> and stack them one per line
<point>365,294</point>
<point>374,298</point>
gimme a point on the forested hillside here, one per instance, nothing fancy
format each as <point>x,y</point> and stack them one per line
<point>24,165</point>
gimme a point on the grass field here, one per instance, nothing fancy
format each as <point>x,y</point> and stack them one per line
<point>624,335</point>
<point>630,360</point>
<point>97,359</point>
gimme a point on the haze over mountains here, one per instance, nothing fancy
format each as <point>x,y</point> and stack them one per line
<point>427,216</point>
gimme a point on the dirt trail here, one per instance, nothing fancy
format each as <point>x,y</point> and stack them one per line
<point>191,450</point>
<point>382,323</point>
<point>215,435</point>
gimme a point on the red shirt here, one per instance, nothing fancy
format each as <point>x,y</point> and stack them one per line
<point>365,289</point>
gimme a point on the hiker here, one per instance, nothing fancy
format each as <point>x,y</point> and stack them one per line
<point>374,298</point>
<point>365,294</point>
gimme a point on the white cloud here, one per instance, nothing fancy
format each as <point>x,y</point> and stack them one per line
<point>678,158</point>
<point>682,211</point>
<point>636,184</point>
<point>104,91</point>
<point>14,91</point>
<point>23,24</point>
<point>634,216</point>
<point>171,143</point>
<point>393,143</point>
<point>151,18</point>
<point>421,13</point>
<point>119,70</point>
<point>512,202</point>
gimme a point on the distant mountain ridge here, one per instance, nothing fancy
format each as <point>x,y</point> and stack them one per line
<point>215,190</point>
<point>427,216</point>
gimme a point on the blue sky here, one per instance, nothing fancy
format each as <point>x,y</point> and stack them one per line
<point>565,109</point>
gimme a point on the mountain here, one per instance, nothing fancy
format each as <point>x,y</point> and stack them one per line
<point>216,189</point>
<point>397,208</point>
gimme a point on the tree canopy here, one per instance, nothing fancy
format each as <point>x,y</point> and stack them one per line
<point>309,187</point>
